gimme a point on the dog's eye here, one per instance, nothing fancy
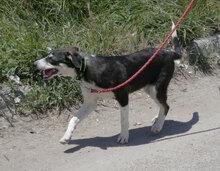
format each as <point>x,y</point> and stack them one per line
<point>53,60</point>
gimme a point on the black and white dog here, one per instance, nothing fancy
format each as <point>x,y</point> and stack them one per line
<point>98,72</point>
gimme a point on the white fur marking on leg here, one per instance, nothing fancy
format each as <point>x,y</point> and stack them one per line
<point>151,90</point>
<point>158,121</point>
<point>124,135</point>
<point>72,125</point>
<point>90,103</point>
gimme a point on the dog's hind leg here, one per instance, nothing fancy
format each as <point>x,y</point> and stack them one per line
<point>158,120</point>
<point>159,96</point>
<point>89,105</point>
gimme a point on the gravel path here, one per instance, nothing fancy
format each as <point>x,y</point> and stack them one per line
<point>190,139</point>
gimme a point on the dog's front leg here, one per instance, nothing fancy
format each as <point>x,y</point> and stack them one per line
<point>89,105</point>
<point>124,135</point>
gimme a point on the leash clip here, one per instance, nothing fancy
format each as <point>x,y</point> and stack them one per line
<point>94,90</point>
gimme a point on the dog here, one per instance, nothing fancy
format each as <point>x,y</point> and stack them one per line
<point>98,72</point>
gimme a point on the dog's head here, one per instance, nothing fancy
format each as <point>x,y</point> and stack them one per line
<point>64,61</point>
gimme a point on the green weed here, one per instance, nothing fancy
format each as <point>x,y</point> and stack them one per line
<point>105,27</point>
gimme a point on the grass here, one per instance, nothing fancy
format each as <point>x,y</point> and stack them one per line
<point>29,27</point>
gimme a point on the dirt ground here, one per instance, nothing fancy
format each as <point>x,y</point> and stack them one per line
<point>190,139</point>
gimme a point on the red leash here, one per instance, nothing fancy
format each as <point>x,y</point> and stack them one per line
<point>151,58</point>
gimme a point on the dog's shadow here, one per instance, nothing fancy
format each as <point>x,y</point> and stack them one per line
<point>138,136</point>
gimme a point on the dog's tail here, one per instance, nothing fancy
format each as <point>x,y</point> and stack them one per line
<point>176,44</point>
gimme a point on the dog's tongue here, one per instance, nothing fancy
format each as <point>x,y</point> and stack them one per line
<point>49,72</point>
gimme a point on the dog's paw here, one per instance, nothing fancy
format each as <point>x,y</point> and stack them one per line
<point>157,125</point>
<point>123,138</point>
<point>64,140</point>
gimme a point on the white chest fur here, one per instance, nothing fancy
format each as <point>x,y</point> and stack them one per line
<point>86,91</point>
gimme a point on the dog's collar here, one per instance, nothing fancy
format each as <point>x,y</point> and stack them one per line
<point>82,68</point>
<point>83,65</point>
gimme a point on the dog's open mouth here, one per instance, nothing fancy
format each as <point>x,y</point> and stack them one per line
<point>49,72</point>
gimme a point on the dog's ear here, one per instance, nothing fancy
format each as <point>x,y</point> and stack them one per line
<point>76,49</point>
<point>74,57</point>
